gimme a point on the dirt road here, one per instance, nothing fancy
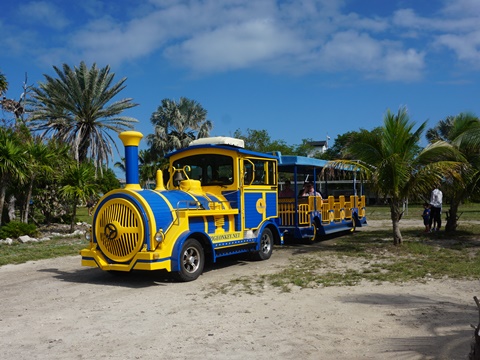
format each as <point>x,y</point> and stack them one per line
<point>56,309</point>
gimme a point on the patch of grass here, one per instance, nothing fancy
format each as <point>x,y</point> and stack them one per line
<point>466,212</point>
<point>18,253</point>
<point>82,215</point>
<point>237,286</point>
<point>371,256</point>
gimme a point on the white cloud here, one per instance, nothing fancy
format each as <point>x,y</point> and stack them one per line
<point>235,46</point>
<point>106,41</point>
<point>360,52</point>
<point>291,36</point>
<point>462,8</point>
<point>455,28</point>
<point>403,65</point>
<point>43,13</point>
<point>429,26</point>
<point>465,46</point>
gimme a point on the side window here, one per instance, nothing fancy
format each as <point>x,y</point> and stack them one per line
<point>259,178</point>
<point>247,172</point>
<point>271,172</point>
<point>259,172</point>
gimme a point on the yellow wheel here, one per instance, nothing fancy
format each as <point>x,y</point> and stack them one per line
<point>331,216</point>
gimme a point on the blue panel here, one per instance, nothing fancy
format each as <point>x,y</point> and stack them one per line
<point>227,224</point>
<point>197,224</point>
<point>234,199</point>
<point>271,204</point>
<point>184,200</point>
<point>252,217</point>
<point>210,225</point>
<point>335,227</point>
<point>161,211</point>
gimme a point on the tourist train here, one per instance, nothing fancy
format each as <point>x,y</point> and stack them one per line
<point>218,199</point>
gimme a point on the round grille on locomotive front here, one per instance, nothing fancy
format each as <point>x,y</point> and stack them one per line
<point>119,230</point>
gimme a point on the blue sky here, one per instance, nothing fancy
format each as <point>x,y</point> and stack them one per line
<point>299,69</point>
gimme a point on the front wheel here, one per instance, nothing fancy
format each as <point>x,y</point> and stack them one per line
<point>192,260</point>
<point>266,246</point>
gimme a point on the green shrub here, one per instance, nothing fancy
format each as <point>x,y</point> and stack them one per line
<point>14,229</point>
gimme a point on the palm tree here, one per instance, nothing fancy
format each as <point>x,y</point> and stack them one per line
<point>79,184</point>
<point>395,165</point>
<point>76,108</point>
<point>44,159</point>
<point>460,132</point>
<point>3,84</point>
<point>120,165</point>
<point>177,124</point>
<point>13,162</point>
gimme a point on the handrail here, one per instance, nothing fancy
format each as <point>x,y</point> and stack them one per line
<point>331,209</point>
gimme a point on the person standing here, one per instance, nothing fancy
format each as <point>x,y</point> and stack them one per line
<point>436,209</point>
<point>426,216</point>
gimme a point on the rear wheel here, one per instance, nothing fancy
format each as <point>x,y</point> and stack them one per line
<point>266,246</point>
<point>192,260</point>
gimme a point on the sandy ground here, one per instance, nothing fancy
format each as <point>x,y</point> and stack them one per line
<point>56,309</point>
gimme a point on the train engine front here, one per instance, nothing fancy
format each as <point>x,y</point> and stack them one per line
<point>173,230</point>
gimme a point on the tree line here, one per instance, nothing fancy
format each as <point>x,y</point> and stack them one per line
<point>57,147</point>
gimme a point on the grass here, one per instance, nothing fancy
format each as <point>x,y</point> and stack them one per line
<point>82,215</point>
<point>466,212</point>
<point>369,255</point>
<point>18,253</point>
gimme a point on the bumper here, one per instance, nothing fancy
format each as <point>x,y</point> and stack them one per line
<point>141,261</point>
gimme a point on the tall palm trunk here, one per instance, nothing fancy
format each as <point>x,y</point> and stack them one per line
<point>396,215</point>
<point>452,218</point>
<point>3,191</point>
<point>27,201</point>
<point>74,214</point>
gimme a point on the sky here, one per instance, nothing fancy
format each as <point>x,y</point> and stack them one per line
<point>298,69</point>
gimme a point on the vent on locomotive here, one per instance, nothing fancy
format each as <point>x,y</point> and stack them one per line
<point>119,230</point>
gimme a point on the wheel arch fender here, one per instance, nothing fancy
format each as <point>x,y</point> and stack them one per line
<point>202,238</point>
<point>277,236</point>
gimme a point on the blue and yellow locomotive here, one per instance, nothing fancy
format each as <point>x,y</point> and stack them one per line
<point>220,199</point>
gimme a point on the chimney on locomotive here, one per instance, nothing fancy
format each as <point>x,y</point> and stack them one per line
<point>131,140</point>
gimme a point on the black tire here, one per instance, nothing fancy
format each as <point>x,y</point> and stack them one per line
<point>266,246</point>
<point>317,225</point>
<point>192,261</point>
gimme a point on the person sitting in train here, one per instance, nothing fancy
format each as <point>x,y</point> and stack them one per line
<point>308,190</point>
<point>287,191</point>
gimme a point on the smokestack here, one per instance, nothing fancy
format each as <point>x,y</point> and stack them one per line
<point>131,140</point>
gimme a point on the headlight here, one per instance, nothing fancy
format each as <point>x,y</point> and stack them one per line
<point>159,236</point>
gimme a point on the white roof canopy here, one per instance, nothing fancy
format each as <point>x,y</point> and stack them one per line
<point>219,140</point>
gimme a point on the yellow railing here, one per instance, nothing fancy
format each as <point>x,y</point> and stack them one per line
<point>332,209</point>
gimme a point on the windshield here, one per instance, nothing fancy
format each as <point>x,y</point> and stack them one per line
<point>210,169</point>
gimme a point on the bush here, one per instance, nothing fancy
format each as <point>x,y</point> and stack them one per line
<point>14,229</point>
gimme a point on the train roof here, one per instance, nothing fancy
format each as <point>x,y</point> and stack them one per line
<point>227,144</point>
<point>287,163</point>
